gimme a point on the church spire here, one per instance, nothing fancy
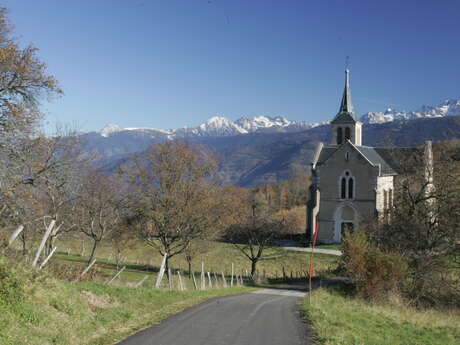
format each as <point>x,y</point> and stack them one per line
<point>346,112</point>
<point>346,106</point>
<point>345,126</point>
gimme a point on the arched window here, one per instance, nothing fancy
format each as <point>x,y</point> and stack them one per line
<point>347,133</point>
<point>347,186</point>
<point>343,188</point>
<point>339,136</point>
<point>350,187</point>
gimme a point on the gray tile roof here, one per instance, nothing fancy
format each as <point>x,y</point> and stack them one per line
<point>375,158</point>
<point>344,117</point>
<point>326,152</point>
<point>386,157</point>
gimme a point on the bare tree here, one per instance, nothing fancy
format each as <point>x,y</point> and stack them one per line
<point>256,230</point>
<point>97,212</point>
<point>23,84</point>
<point>422,225</point>
<point>172,197</point>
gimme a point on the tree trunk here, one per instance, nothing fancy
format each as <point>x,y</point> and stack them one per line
<point>93,251</point>
<point>23,241</point>
<point>189,268</point>
<point>49,245</point>
<point>253,268</point>
<point>167,267</point>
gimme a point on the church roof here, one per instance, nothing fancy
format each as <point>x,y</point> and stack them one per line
<point>385,157</point>
<point>344,117</point>
<point>346,112</point>
<point>325,153</point>
<point>372,154</point>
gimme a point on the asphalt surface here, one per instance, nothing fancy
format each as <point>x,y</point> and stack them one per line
<point>316,250</point>
<point>266,317</point>
<point>296,246</point>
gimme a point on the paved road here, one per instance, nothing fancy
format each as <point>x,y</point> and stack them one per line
<point>296,246</point>
<point>265,317</point>
<point>317,250</point>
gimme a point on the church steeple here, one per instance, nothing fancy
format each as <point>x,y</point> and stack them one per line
<point>344,125</point>
<point>346,113</point>
<point>346,106</point>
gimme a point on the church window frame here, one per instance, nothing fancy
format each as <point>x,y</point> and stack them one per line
<point>347,186</point>
<point>343,188</point>
<point>351,188</point>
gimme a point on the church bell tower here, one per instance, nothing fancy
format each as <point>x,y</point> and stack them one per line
<point>345,126</point>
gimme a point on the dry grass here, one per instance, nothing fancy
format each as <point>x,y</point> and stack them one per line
<point>340,319</point>
<point>218,258</point>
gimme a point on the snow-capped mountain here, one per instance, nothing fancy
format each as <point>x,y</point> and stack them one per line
<point>215,127</point>
<point>251,125</point>
<point>220,126</point>
<point>450,107</point>
<point>109,129</point>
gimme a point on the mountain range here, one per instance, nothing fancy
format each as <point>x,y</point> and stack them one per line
<point>253,151</point>
<point>222,126</point>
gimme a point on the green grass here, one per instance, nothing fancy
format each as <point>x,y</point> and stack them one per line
<point>218,258</point>
<point>340,319</point>
<point>36,309</point>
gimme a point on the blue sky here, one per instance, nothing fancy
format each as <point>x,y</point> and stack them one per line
<point>169,63</point>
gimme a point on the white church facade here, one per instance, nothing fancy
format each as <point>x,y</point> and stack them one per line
<point>350,182</point>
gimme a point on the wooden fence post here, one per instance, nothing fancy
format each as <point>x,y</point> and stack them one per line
<point>47,258</point>
<point>87,268</point>
<point>170,280</point>
<point>194,281</point>
<point>233,270</point>
<point>15,234</point>
<point>216,280</point>
<point>210,281</point>
<point>181,286</point>
<point>116,275</point>
<point>141,281</point>
<point>203,277</point>
<point>224,281</point>
<point>161,272</point>
<point>42,244</point>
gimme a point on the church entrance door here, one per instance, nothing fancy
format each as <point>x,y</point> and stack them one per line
<point>347,227</point>
<point>345,221</point>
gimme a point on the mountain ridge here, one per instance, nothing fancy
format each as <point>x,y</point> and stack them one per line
<point>222,126</point>
<point>264,153</point>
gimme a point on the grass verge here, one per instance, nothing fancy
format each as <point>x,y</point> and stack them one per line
<point>36,309</point>
<point>341,319</point>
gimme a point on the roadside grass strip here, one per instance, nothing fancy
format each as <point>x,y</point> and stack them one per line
<point>338,319</point>
<point>36,309</point>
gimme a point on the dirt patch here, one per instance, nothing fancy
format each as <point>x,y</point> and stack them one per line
<point>96,301</point>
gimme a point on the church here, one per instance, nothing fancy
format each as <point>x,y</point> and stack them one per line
<point>350,182</point>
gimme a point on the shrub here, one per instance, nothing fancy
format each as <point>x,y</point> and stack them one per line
<point>374,273</point>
